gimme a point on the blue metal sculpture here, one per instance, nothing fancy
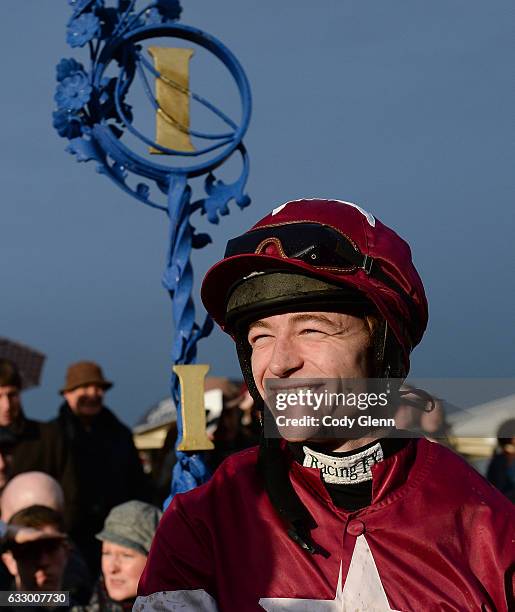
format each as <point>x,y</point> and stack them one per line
<point>94,115</point>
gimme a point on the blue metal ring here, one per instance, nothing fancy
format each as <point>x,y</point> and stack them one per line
<point>203,40</point>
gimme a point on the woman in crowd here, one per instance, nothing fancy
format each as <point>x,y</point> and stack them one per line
<point>126,538</point>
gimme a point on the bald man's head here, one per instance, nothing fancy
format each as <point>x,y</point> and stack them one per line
<point>30,489</point>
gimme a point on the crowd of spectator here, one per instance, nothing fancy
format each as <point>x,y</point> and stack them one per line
<point>78,511</point>
<point>68,481</point>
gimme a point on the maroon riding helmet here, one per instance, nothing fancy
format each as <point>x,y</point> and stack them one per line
<point>317,254</point>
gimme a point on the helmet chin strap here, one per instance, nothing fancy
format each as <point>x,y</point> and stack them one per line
<point>388,359</point>
<point>244,351</point>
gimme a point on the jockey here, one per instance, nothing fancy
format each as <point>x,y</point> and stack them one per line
<point>363,520</point>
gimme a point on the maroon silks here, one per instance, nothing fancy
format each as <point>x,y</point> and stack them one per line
<point>437,536</point>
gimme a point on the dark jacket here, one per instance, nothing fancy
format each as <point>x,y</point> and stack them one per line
<point>98,469</point>
<point>27,451</point>
<point>501,473</point>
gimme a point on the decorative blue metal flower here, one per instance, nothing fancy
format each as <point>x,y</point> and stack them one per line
<point>93,113</point>
<point>82,30</point>
<point>67,124</point>
<point>73,92</point>
<point>68,67</point>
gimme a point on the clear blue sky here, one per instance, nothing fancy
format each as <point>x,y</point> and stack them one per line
<point>405,107</point>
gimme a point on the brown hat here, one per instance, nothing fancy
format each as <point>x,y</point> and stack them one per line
<point>84,373</point>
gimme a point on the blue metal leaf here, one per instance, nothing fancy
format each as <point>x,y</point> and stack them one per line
<point>199,241</point>
<point>220,194</point>
<point>83,149</point>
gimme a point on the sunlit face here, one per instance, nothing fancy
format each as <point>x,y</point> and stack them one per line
<point>39,566</point>
<point>293,352</point>
<point>308,345</point>
<point>86,400</point>
<point>10,405</point>
<point>122,568</point>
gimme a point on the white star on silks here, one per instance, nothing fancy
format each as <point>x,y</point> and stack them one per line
<point>363,591</point>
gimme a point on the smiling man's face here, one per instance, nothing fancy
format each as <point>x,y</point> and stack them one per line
<point>308,345</point>
<point>86,400</point>
<point>294,352</point>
